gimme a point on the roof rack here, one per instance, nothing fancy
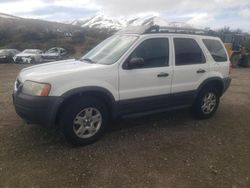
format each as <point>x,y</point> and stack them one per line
<point>134,30</point>
<point>185,30</point>
<point>159,29</point>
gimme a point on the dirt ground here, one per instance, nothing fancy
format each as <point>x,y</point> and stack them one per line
<point>165,150</point>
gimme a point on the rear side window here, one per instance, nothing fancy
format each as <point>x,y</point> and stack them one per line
<point>216,50</point>
<point>188,52</point>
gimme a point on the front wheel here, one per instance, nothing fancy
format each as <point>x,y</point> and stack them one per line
<point>206,103</point>
<point>84,121</point>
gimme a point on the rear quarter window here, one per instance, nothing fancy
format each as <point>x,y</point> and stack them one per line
<point>216,50</point>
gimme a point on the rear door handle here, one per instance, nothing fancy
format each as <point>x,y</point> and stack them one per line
<point>163,74</point>
<point>200,71</point>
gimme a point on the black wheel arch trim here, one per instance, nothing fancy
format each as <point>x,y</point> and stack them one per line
<point>222,81</point>
<point>110,99</point>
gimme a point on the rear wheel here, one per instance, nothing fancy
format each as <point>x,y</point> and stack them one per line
<point>84,121</point>
<point>206,103</point>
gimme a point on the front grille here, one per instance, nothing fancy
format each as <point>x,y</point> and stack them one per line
<point>19,60</point>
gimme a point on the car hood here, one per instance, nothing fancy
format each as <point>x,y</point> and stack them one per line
<point>49,71</point>
<point>25,55</point>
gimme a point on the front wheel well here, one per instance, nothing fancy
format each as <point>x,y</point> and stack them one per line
<point>80,96</point>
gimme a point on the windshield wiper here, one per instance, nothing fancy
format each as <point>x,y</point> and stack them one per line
<point>87,59</point>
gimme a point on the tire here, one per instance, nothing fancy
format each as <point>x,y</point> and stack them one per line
<point>235,60</point>
<point>75,117</point>
<point>201,109</point>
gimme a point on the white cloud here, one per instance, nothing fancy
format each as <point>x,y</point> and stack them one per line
<point>118,7</point>
<point>22,6</point>
<point>201,19</point>
<point>245,12</point>
<point>13,7</point>
<point>76,3</point>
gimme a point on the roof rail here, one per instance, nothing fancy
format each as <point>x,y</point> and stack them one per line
<point>183,30</point>
<point>134,30</point>
<point>150,29</point>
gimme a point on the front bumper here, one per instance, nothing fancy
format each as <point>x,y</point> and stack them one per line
<point>24,60</point>
<point>6,60</point>
<point>35,109</point>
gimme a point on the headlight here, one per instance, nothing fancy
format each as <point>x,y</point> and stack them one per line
<point>36,89</point>
<point>4,56</point>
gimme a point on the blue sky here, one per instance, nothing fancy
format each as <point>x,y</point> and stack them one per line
<point>206,13</point>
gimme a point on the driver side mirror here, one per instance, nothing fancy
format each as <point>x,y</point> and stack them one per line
<point>135,63</point>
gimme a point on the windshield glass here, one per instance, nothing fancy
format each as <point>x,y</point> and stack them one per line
<point>30,51</point>
<point>110,50</point>
<point>53,50</point>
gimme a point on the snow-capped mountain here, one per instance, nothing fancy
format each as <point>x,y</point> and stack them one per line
<point>101,21</point>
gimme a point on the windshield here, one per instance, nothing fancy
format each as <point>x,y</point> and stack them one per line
<point>110,50</point>
<point>53,50</point>
<point>30,52</point>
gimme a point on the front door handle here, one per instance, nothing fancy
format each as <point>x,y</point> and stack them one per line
<point>163,74</point>
<point>200,71</point>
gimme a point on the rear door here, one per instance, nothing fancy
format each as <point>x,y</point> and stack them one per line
<point>190,69</point>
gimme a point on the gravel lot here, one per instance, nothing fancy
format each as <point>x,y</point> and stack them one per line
<point>165,150</point>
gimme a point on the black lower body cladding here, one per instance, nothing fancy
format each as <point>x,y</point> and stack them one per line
<point>38,110</point>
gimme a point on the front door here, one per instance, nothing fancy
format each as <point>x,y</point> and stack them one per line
<point>146,86</point>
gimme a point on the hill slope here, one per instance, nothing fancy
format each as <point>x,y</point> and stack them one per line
<point>21,33</point>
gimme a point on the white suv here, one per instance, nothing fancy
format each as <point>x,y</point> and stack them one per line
<point>136,71</point>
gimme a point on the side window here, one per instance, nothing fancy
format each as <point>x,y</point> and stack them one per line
<point>154,52</point>
<point>216,50</point>
<point>187,52</point>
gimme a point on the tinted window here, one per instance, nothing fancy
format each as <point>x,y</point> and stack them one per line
<point>216,50</point>
<point>187,52</point>
<point>155,52</point>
